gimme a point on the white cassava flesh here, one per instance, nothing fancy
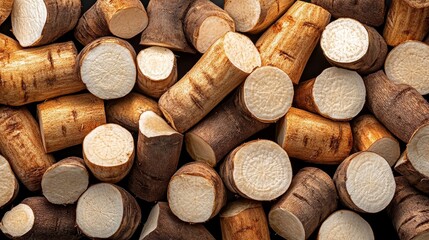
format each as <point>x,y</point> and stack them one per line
<point>344,224</point>
<point>128,22</point>
<point>241,52</point>
<point>211,30</point>
<point>18,221</point>
<point>28,20</point>
<point>339,93</point>
<point>8,182</point>
<point>408,63</point>
<point>151,222</point>
<point>286,224</point>
<point>418,150</point>
<point>152,125</point>
<point>345,40</point>
<point>388,148</point>
<point>200,149</point>
<point>156,63</point>
<point>244,12</point>
<point>236,207</point>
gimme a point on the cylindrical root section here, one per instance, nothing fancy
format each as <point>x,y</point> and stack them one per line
<point>8,44</point>
<point>365,182</point>
<point>312,138</point>
<point>338,94</point>
<point>406,20</point>
<point>65,121</point>
<point>36,74</point>
<point>157,71</point>
<point>244,219</point>
<point>196,193</point>
<point>399,107</point>
<point>289,42</point>
<point>40,22</point>
<point>106,211</point>
<point>107,67</point>
<point>158,151</point>
<point>108,151</point>
<point>9,185</point>
<point>163,224</point>
<point>309,200</point>
<point>122,18</point>
<point>221,69</point>
<point>350,44</point>
<point>36,218</point>
<point>205,23</point>
<point>5,9</point>
<point>258,170</point>
<point>413,176</point>
<point>344,223</point>
<point>21,144</point>
<point>65,181</point>
<point>370,135</point>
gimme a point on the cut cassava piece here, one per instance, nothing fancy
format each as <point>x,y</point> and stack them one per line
<point>8,44</point>
<point>126,111</point>
<point>122,18</point>
<point>205,22</point>
<point>413,176</point>
<point>258,170</point>
<point>254,16</point>
<point>345,224</point>
<point>157,71</point>
<point>39,22</point>
<point>289,42</point>
<point>65,181</point>
<point>221,69</point>
<point>21,144</point>
<point>265,97</point>
<point>106,211</point>
<point>36,218</point>
<point>350,44</point>
<point>313,138</point>
<point>36,74</point>
<point>9,185</point>
<point>370,135</point>
<point>108,151</point>
<point>196,193</point>
<point>399,107</point>
<point>408,63</point>
<point>163,224</point>
<point>5,9</point>
<point>309,200</point>
<point>107,67</point>
<point>365,182</point>
<point>65,121</point>
<point>406,20</point>
<point>244,219</point>
<point>338,94</point>
<point>158,151</point>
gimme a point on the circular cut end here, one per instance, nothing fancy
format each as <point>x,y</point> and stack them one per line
<point>200,150</point>
<point>339,94</point>
<point>345,40</point>
<point>28,20</point>
<point>108,70</point>
<point>100,210</point>
<point>156,63</point>
<point>286,224</point>
<point>241,51</point>
<point>268,93</point>
<point>151,222</point>
<point>211,30</point>
<point>128,22</point>
<point>152,125</point>
<point>370,182</point>
<point>262,170</point>
<point>418,150</point>
<point>246,13</point>
<point>345,224</point>
<point>235,208</point>
<point>18,221</point>
<point>388,148</point>
<point>408,63</point>
<point>8,182</point>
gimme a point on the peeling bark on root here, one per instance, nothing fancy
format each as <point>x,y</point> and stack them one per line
<point>9,185</point>
<point>345,224</point>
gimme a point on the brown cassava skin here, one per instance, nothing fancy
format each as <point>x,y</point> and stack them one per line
<point>171,227</point>
<point>411,174</point>
<point>406,20</point>
<point>65,121</point>
<point>399,107</point>
<point>126,111</point>
<point>289,42</point>
<point>21,144</point>
<point>36,74</point>
<point>249,223</point>
<point>165,26</point>
<point>370,12</point>
<point>315,139</point>
<point>408,211</point>
<point>312,197</point>
<point>8,44</point>
<point>5,9</point>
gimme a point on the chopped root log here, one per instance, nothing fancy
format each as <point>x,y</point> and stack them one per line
<point>5,9</point>
<point>413,176</point>
<point>309,200</point>
<point>345,224</point>
<point>9,185</point>
<point>196,193</point>
<point>108,151</point>
<point>258,170</point>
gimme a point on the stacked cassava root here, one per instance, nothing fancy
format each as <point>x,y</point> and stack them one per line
<point>105,139</point>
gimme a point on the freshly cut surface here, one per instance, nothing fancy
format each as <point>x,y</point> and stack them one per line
<point>156,63</point>
<point>8,183</point>
<point>127,23</point>
<point>345,224</point>
<point>387,148</point>
<point>28,20</point>
<point>211,30</point>
<point>245,13</point>
<point>18,221</point>
<point>280,218</point>
<point>242,53</point>
<point>418,150</point>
